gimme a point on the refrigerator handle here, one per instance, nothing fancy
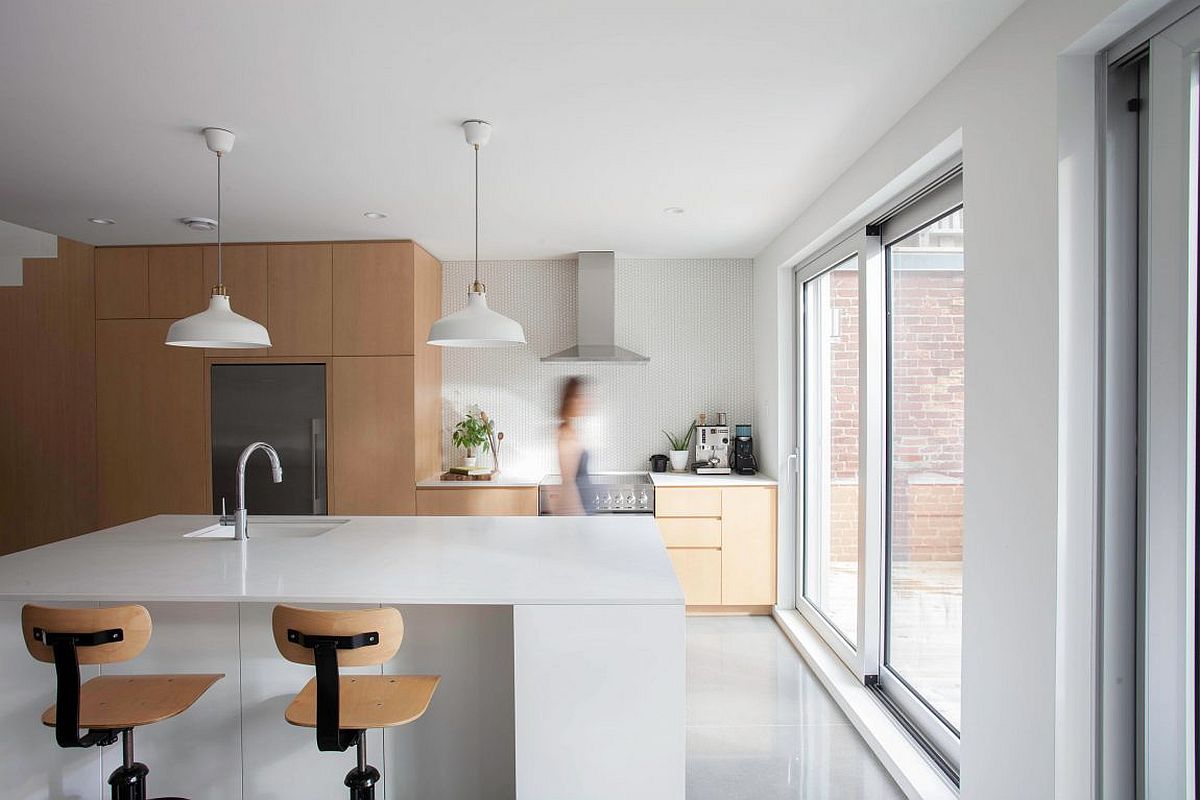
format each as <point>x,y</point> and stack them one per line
<point>318,451</point>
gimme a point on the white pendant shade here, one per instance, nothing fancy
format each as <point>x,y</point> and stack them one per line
<point>218,326</point>
<point>476,326</point>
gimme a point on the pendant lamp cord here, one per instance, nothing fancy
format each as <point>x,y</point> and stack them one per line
<point>476,217</point>
<point>220,272</point>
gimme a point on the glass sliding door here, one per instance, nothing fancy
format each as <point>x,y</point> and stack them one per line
<point>831,452</point>
<point>926,368</point>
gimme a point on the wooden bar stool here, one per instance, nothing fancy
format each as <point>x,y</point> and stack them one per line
<point>342,708</point>
<point>107,704</point>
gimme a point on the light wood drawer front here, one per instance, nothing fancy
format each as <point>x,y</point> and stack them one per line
<point>699,572</point>
<point>499,501</point>
<point>685,532</point>
<point>687,502</point>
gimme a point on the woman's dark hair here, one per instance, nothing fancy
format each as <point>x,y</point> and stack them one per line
<point>572,388</point>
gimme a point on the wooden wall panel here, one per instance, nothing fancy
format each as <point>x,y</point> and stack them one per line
<point>245,274</point>
<point>371,465</point>
<point>48,409</point>
<point>176,279</point>
<point>151,428</point>
<point>300,299</point>
<point>373,298</point>
<point>122,283</point>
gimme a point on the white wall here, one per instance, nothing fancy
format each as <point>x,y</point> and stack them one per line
<point>1003,99</point>
<point>689,316</point>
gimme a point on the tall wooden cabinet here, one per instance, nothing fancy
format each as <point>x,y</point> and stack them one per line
<point>361,308</point>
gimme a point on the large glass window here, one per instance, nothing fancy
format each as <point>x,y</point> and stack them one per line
<point>926,365</point>
<point>831,420</point>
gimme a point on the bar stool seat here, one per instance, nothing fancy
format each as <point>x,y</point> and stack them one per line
<point>368,701</point>
<point>117,702</point>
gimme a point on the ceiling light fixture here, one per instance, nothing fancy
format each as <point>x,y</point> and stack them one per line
<point>218,326</point>
<point>203,224</point>
<point>476,325</point>
<point>101,221</point>
<point>374,215</point>
<point>673,210</point>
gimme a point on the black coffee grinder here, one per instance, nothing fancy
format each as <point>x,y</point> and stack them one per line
<point>743,460</point>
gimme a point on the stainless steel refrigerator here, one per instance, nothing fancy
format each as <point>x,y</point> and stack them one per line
<point>284,406</point>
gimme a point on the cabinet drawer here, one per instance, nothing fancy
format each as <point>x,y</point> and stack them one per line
<point>475,501</point>
<point>685,532</point>
<point>699,572</point>
<point>687,502</point>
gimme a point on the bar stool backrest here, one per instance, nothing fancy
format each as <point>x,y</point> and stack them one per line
<point>132,622</point>
<point>380,630</point>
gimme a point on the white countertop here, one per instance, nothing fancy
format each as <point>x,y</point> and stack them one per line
<point>665,480</point>
<point>502,482</point>
<point>615,559</point>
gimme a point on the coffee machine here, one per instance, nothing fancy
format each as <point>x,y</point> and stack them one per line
<point>743,460</point>
<point>712,450</point>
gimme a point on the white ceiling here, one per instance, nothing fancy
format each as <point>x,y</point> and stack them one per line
<point>605,112</point>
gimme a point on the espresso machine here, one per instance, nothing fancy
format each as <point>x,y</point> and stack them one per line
<point>712,450</point>
<point>743,460</point>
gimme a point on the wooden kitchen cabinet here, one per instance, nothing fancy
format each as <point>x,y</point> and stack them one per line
<point>372,453</point>
<point>490,501</point>
<point>699,573</point>
<point>728,532</point>
<point>300,299</point>
<point>373,298</point>
<point>150,423</point>
<point>244,271</point>
<point>176,281</point>
<point>122,283</point>
<point>748,546</point>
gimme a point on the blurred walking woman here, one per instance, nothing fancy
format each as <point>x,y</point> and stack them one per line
<point>574,498</point>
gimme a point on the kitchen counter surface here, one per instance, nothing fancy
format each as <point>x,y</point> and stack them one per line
<point>666,480</point>
<point>609,560</point>
<point>503,481</point>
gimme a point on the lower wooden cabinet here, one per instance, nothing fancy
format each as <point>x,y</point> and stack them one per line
<point>721,542</point>
<point>478,501</point>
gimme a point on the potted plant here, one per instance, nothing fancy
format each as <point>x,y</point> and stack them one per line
<point>679,448</point>
<point>471,434</point>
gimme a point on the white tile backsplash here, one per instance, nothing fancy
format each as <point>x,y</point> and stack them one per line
<point>690,316</point>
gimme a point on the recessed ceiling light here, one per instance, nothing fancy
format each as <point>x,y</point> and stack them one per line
<point>200,223</point>
<point>374,215</point>
<point>101,221</point>
<point>673,210</point>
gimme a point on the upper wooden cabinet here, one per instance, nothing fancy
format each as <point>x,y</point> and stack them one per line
<point>300,299</point>
<point>150,423</point>
<point>122,283</point>
<point>244,271</point>
<point>373,298</point>
<point>176,281</point>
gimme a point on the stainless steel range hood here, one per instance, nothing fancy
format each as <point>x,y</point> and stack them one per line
<point>597,311</point>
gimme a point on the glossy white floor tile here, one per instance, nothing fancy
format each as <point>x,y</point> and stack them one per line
<point>760,725</point>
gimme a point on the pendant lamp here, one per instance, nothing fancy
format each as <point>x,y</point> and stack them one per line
<point>218,326</point>
<point>476,325</point>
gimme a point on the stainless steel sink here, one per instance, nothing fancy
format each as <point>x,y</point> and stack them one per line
<point>273,528</point>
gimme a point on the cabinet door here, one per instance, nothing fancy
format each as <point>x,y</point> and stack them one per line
<point>373,298</point>
<point>371,467</point>
<point>176,278</point>
<point>151,431</point>
<point>122,283</point>
<point>300,299</point>
<point>748,546</point>
<point>244,271</point>
<point>699,572</point>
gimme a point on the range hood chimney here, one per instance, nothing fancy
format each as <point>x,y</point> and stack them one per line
<point>597,312</point>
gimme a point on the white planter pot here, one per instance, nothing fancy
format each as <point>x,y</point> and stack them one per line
<point>469,461</point>
<point>679,460</point>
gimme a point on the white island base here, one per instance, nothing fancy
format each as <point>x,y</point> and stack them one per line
<point>573,688</point>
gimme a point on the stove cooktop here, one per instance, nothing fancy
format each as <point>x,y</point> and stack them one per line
<point>609,493</point>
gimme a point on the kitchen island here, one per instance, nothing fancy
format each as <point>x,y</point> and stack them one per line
<point>560,642</point>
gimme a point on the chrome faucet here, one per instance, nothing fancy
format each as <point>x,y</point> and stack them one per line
<point>239,515</point>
